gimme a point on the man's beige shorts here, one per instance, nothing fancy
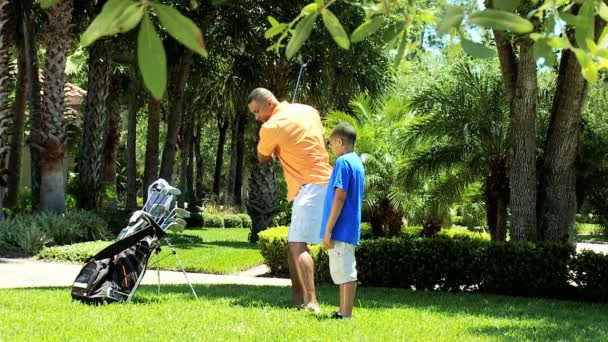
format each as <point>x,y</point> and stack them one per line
<point>306,214</point>
<point>342,264</point>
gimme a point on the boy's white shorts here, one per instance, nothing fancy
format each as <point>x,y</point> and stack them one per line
<point>306,214</point>
<point>342,264</point>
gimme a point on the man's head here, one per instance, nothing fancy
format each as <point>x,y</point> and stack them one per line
<point>261,103</point>
<point>342,139</point>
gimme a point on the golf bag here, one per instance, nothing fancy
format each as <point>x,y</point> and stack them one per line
<point>114,274</point>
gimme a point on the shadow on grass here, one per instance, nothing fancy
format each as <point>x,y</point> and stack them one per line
<point>532,318</point>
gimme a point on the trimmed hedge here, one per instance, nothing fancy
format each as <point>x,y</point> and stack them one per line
<point>233,221</point>
<point>116,219</point>
<point>212,221</point>
<point>463,264</point>
<point>246,219</point>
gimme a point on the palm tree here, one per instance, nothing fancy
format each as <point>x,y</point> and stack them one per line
<point>460,138</point>
<point>6,87</point>
<point>92,144</point>
<point>52,144</point>
<point>377,124</point>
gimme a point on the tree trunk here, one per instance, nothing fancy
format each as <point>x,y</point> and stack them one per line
<point>497,199</point>
<point>522,140</point>
<point>240,150</point>
<point>222,126</point>
<point>152,145</point>
<point>131,200</point>
<point>185,155</point>
<point>190,196</point>
<point>15,158</point>
<point>56,37</point>
<point>263,202</point>
<point>112,136</point>
<point>6,87</point>
<point>230,186</point>
<point>34,98</point>
<point>199,157</point>
<point>180,74</point>
<point>89,162</point>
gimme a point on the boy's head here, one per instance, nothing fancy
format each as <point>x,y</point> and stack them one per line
<point>342,139</point>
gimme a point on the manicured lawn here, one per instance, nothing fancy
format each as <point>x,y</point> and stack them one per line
<point>231,312</point>
<point>208,250</point>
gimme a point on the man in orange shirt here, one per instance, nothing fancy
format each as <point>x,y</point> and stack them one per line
<point>294,133</point>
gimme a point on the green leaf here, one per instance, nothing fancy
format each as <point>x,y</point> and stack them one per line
<point>130,18</point>
<point>393,30</point>
<point>602,42</point>
<point>585,29</point>
<point>477,50</point>
<point>181,28</point>
<point>310,9</point>
<point>321,3</point>
<point>102,25</point>
<point>273,22</point>
<point>589,69</point>
<point>332,23</point>
<point>508,5</point>
<point>571,19</point>
<point>501,21</point>
<point>602,10</point>
<point>367,28</point>
<point>46,4</point>
<point>273,31</point>
<point>401,51</point>
<point>302,32</point>
<point>453,17</point>
<point>151,58</point>
<point>541,49</point>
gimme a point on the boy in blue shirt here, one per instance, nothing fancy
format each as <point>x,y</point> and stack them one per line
<point>341,225</point>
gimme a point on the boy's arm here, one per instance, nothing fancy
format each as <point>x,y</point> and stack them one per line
<point>336,209</point>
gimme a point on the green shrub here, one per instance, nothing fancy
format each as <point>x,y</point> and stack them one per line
<point>78,252</point>
<point>590,274</point>
<point>273,247</point>
<point>461,233</point>
<point>116,219</point>
<point>232,221</point>
<point>90,226</point>
<point>366,231</point>
<point>461,263</point>
<point>246,219</point>
<point>212,221</point>
<point>195,220</point>
<point>20,235</point>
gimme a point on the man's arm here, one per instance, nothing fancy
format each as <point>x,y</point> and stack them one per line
<point>264,158</point>
<point>336,209</point>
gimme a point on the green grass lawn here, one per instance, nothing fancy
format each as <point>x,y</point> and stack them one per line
<point>208,250</point>
<point>250,313</point>
<point>211,250</point>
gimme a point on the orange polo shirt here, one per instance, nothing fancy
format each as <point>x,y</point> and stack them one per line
<point>294,133</point>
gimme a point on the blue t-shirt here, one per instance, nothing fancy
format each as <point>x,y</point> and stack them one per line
<point>348,175</point>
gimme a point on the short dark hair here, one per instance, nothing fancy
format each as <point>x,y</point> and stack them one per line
<point>345,131</point>
<point>259,95</point>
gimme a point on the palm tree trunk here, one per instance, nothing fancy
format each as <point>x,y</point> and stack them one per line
<point>6,86</point>
<point>230,186</point>
<point>199,157</point>
<point>522,135</point>
<point>89,162</point>
<point>190,194</point>
<point>56,37</point>
<point>185,154</point>
<point>14,162</point>
<point>263,189</point>
<point>131,200</point>
<point>559,172</point>
<point>152,147</point>
<point>112,135</point>
<point>178,85</point>
<point>240,150</point>
<point>34,98</point>
<point>497,199</point>
<point>222,126</point>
